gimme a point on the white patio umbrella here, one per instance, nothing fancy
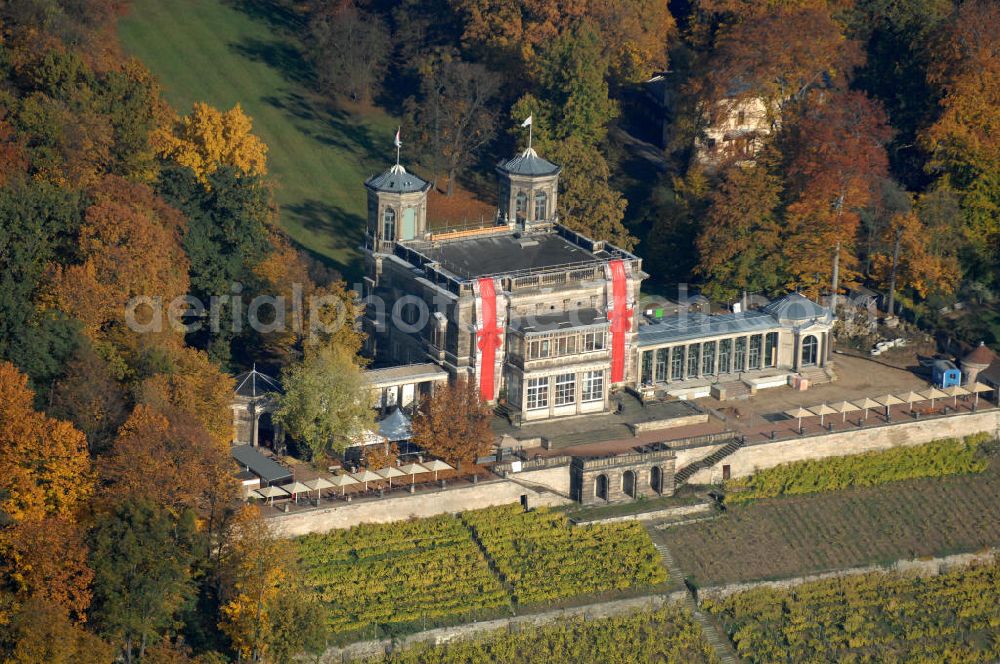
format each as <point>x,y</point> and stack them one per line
<point>296,488</point>
<point>318,485</point>
<point>844,407</point>
<point>932,394</point>
<point>977,387</point>
<point>435,466</point>
<point>887,401</point>
<point>365,476</point>
<point>343,481</point>
<point>866,404</point>
<point>822,410</point>
<point>413,469</point>
<point>270,493</point>
<point>956,392</point>
<point>910,397</point>
<point>389,473</point>
<point>799,413</point>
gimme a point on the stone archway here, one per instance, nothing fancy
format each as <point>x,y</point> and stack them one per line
<point>656,479</point>
<point>629,484</point>
<point>601,487</point>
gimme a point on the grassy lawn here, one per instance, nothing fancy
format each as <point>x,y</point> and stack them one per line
<point>791,536</point>
<point>245,52</point>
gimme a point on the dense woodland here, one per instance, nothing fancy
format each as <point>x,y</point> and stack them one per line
<point>114,454</point>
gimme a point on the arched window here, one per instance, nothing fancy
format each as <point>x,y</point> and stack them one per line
<point>656,479</point>
<point>810,350</point>
<point>628,484</point>
<point>389,224</point>
<point>521,206</point>
<point>601,487</point>
<point>541,201</point>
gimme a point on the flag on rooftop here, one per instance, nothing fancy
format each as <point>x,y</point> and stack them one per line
<point>527,122</point>
<point>396,141</point>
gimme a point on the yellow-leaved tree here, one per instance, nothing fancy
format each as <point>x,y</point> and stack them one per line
<point>209,138</point>
<point>267,612</point>
<point>44,466</point>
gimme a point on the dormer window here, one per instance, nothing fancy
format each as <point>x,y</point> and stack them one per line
<point>541,200</point>
<point>389,224</point>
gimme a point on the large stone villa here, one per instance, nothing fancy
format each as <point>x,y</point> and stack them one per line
<point>603,396</point>
<point>544,319</point>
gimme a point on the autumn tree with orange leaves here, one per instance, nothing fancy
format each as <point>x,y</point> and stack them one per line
<point>45,478</point>
<point>835,155</point>
<point>454,425</point>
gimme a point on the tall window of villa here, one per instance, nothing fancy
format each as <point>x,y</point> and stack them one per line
<point>541,200</point>
<point>725,351</point>
<point>677,363</point>
<point>521,206</point>
<point>708,358</point>
<point>538,393</point>
<point>389,224</point>
<point>771,349</point>
<point>565,389</point>
<point>693,357</point>
<point>755,343</point>
<point>740,356</point>
<point>647,366</point>
<point>661,365</point>
<point>810,348</point>
<point>593,386</point>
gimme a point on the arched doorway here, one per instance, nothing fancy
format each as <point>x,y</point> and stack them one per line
<point>265,430</point>
<point>810,351</point>
<point>628,483</point>
<point>601,487</point>
<point>656,479</point>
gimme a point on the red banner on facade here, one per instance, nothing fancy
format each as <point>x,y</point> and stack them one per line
<point>621,319</point>
<point>489,339</point>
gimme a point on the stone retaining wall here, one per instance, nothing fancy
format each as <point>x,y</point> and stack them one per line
<point>369,649</point>
<point>918,567</point>
<point>767,454</point>
<point>411,506</point>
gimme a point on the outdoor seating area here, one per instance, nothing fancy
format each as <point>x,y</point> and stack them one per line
<point>362,484</point>
<point>887,406</point>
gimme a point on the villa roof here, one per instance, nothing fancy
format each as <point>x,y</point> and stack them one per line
<point>982,355</point>
<point>397,180</point>
<point>497,254</point>
<point>796,307</point>
<point>697,325</point>
<point>255,384</point>
<point>529,163</point>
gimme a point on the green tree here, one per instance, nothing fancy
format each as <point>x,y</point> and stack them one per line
<point>326,400</point>
<point>226,239</point>
<point>739,241</point>
<point>573,88</point>
<point>142,559</point>
<point>37,224</point>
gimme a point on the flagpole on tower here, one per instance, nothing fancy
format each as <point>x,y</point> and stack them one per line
<point>398,145</point>
<point>528,122</point>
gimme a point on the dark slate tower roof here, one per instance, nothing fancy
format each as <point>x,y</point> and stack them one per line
<point>796,307</point>
<point>255,384</point>
<point>528,163</point>
<point>397,181</point>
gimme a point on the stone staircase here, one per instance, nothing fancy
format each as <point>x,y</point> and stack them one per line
<point>819,375</point>
<point>712,631</point>
<point>685,473</point>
